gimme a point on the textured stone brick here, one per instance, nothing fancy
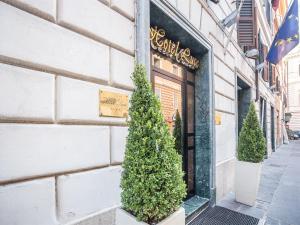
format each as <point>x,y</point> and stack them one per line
<point>96,18</point>
<point>173,2</point>
<point>223,87</point>
<point>224,103</point>
<point>102,218</point>
<point>196,13</point>
<point>31,150</point>
<point>224,71</point>
<point>118,143</point>
<point>226,138</point>
<point>28,203</point>
<point>207,23</point>
<point>88,192</point>
<point>26,93</point>
<point>122,66</point>
<point>225,173</point>
<point>184,7</point>
<point>74,95</point>
<point>217,10</point>
<point>47,44</point>
<point>46,7</point>
<point>126,6</point>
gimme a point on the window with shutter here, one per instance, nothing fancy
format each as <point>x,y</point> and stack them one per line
<point>274,74</point>
<point>268,11</point>
<point>266,66</point>
<point>246,27</point>
<point>260,49</point>
<point>277,84</point>
<point>263,51</point>
<point>271,74</point>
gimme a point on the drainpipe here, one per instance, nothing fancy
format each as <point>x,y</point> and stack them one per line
<point>257,86</point>
<point>142,47</point>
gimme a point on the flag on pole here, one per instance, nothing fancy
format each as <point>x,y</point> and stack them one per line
<point>287,36</point>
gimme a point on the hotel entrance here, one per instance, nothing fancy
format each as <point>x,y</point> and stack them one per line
<point>174,85</point>
<point>182,78</point>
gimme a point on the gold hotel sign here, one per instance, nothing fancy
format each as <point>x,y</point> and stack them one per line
<point>172,49</point>
<point>113,104</point>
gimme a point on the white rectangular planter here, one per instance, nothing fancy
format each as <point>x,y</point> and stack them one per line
<point>125,218</point>
<point>247,178</point>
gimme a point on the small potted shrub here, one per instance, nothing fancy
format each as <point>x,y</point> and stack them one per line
<point>152,180</point>
<point>251,151</point>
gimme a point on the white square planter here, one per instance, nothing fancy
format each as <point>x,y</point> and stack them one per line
<point>247,178</point>
<point>125,218</point>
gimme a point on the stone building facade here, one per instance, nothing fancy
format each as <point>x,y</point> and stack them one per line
<point>293,69</point>
<point>60,162</point>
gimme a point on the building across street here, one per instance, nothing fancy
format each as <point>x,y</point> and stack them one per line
<point>293,62</point>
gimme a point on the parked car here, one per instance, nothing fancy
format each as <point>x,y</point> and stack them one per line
<point>297,132</point>
<point>293,135</point>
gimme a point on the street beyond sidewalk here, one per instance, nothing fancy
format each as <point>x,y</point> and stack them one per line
<point>278,201</point>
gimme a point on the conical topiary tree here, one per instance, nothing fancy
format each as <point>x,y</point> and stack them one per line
<point>177,133</point>
<point>152,180</point>
<point>252,144</point>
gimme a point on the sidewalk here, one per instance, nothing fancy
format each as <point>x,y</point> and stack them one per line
<point>278,201</point>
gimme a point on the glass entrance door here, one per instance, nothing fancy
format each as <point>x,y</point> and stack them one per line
<point>189,133</point>
<point>174,85</point>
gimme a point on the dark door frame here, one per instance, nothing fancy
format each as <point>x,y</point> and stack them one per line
<point>273,139</point>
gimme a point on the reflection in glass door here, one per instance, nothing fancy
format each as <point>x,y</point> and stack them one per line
<point>174,85</point>
<point>169,93</point>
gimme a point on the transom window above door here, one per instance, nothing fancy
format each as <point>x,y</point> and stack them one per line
<point>166,64</point>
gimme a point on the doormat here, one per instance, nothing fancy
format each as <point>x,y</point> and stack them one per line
<point>221,216</point>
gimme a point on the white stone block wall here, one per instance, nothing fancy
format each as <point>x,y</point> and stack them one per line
<point>97,22</point>
<point>48,46</point>
<point>118,143</point>
<point>28,203</point>
<point>43,8</point>
<point>29,150</point>
<point>74,95</point>
<point>84,193</point>
<point>26,94</point>
<point>59,161</point>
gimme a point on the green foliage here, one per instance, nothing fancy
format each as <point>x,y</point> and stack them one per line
<point>252,144</point>
<point>177,133</point>
<point>152,180</point>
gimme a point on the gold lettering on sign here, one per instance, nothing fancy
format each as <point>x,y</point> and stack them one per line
<point>172,49</point>
<point>113,104</point>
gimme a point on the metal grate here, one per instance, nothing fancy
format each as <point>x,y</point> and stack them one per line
<point>222,216</point>
<point>276,165</point>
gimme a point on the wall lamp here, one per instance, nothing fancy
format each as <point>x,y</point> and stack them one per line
<point>230,19</point>
<point>253,53</point>
<point>259,67</point>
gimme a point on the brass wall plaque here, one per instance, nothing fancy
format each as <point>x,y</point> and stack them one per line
<point>113,104</point>
<point>218,118</point>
